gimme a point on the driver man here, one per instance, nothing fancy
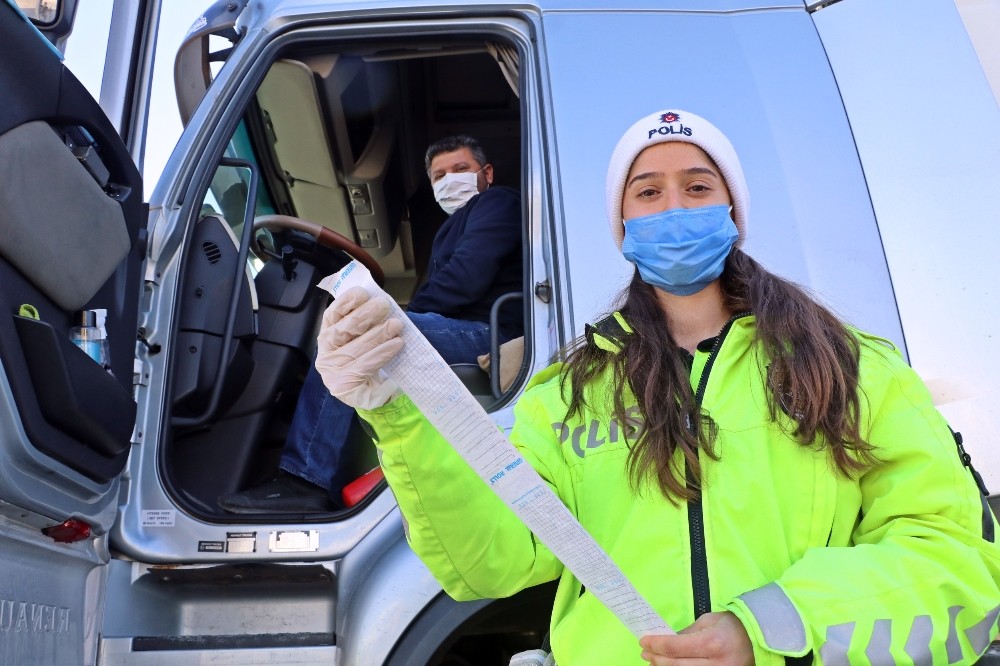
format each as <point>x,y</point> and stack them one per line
<point>476,257</point>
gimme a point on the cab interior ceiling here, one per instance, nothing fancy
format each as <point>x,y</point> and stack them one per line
<point>323,121</point>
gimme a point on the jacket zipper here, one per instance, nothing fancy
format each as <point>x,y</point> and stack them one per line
<point>696,518</point>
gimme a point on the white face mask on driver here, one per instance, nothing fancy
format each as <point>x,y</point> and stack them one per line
<point>454,190</point>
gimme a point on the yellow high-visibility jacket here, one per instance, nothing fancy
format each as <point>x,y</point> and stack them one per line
<point>896,566</point>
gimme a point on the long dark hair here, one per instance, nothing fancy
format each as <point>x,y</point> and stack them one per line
<point>812,377</point>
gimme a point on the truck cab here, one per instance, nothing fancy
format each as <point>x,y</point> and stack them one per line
<point>868,132</point>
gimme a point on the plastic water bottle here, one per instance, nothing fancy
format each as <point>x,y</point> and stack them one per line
<point>90,337</point>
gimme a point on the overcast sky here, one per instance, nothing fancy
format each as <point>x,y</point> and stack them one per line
<point>85,57</point>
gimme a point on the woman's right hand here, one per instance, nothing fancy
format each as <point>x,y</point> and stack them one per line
<point>356,339</point>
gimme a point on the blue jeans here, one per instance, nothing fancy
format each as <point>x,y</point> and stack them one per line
<point>316,445</point>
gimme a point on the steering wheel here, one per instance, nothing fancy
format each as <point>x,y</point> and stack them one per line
<point>323,236</point>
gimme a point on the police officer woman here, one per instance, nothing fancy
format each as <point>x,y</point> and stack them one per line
<point>769,478</point>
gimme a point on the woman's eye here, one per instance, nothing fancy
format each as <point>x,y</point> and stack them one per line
<point>646,192</point>
<point>698,188</point>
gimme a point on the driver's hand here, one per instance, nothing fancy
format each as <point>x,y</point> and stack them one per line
<point>357,338</point>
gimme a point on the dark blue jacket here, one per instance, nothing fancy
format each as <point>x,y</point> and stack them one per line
<point>476,257</point>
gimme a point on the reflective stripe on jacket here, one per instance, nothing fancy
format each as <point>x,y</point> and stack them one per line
<point>891,567</point>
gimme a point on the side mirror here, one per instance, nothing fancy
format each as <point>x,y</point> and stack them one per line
<point>53,18</point>
<point>193,64</point>
<point>40,12</point>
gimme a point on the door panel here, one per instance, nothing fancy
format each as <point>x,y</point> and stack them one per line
<point>71,238</point>
<point>73,224</point>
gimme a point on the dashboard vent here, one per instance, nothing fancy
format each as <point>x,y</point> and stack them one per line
<point>212,252</point>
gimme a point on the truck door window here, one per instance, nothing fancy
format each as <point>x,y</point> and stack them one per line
<point>337,135</point>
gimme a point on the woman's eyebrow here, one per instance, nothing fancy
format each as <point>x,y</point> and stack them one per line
<point>644,176</point>
<point>694,171</point>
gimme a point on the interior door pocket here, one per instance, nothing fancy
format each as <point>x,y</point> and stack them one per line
<point>75,394</point>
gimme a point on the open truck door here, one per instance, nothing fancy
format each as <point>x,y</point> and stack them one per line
<point>73,242</point>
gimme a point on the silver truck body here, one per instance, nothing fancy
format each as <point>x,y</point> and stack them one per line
<point>869,136</point>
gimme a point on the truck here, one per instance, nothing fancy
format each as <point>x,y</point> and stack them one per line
<point>868,129</point>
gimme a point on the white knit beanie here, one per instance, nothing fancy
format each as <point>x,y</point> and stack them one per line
<point>666,126</point>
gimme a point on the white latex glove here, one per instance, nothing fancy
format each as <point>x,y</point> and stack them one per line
<point>355,341</point>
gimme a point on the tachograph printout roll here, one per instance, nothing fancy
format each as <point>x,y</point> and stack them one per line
<point>423,375</point>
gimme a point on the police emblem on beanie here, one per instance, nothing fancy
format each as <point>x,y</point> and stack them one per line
<point>674,125</point>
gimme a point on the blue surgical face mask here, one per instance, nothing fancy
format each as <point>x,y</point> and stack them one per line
<point>681,250</point>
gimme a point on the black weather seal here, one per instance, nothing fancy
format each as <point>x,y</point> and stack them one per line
<point>817,5</point>
<point>232,642</point>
